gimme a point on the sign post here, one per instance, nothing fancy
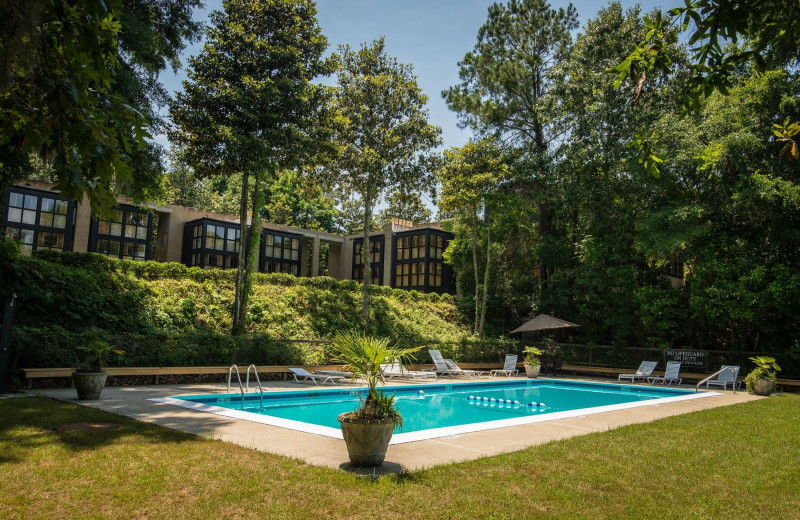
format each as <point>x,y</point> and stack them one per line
<point>5,340</point>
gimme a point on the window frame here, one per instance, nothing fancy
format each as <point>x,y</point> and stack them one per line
<point>376,266</point>
<point>229,259</point>
<point>68,231</point>
<point>95,236</point>
<point>265,262</point>
<point>428,263</point>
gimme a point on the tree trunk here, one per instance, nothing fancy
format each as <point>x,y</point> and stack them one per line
<point>366,258</point>
<point>477,280</point>
<point>248,243</point>
<point>241,273</point>
<point>544,231</point>
<point>485,292</point>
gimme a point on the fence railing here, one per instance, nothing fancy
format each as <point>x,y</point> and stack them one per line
<point>700,361</point>
<point>43,350</point>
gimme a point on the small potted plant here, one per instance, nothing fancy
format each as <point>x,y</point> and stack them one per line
<point>90,378</point>
<point>532,362</point>
<point>761,380</point>
<point>368,430</point>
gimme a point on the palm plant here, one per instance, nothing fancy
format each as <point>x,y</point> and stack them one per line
<point>364,356</point>
<point>766,368</point>
<point>97,354</point>
<point>532,356</point>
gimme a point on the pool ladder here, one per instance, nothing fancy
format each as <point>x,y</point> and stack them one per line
<point>247,380</point>
<point>718,372</point>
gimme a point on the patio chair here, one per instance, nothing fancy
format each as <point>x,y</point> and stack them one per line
<point>306,375</point>
<point>671,375</point>
<point>552,365</point>
<point>446,369</point>
<point>644,371</point>
<point>397,371</point>
<point>509,367</point>
<point>727,376</point>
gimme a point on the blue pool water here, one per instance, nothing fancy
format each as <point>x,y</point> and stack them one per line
<point>431,406</point>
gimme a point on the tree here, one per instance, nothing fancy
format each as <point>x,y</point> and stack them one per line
<point>182,188</point>
<point>505,92</point>
<point>384,134</point>
<point>472,179</point>
<point>152,36</point>
<point>61,101</point>
<point>97,69</point>
<point>770,30</point>
<point>300,204</point>
<point>405,205</point>
<point>249,107</point>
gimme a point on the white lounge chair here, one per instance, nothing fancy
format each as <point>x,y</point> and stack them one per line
<point>727,377</point>
<point>509,367</point>
<point>446,369</point>
<point>671,375</point>
<point>452,365</point>
<point>397,371</point>
<point>644,371</point>
<point>306,375</point>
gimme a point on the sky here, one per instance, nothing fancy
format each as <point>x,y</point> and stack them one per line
<point>432,35</point>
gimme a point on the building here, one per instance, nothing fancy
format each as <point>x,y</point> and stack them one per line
<point>402,255</point>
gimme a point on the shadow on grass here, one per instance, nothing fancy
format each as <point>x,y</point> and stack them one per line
<point>33,422</point>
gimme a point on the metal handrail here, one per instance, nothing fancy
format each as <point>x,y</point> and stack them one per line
<point>247,379</point>
<point>718,372</point>
<point>238,377</point>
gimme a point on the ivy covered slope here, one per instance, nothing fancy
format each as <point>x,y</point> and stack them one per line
<point>167,314</point>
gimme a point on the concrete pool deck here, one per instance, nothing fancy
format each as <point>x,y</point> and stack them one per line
<point>133,401</point>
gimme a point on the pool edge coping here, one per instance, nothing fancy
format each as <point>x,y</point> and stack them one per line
<point>431,433</point>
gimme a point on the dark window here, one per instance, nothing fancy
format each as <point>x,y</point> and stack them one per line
<point>674,266</point>
<point>376,260</point>
<point>419,262</point>
<point>126,235</point>
<point>38,219</point>
<point>280,253</point>
<point>211,243</point>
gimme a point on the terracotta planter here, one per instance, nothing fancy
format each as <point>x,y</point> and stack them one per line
<point>532,371</point>
<point>89,384</point>
<point>366,441</point>
<point>763,386</point>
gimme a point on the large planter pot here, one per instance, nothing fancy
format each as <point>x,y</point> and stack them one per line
<point>532,371</point>
<point>89,384</point>
<point>763,386</point>
<point>366,440</point>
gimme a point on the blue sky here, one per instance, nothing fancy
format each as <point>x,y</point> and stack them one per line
<point>432,35</point>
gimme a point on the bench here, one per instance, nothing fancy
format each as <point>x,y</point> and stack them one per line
<point>29,374</point>
<point>40,373</point>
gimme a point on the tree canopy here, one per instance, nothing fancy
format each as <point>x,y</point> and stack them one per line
<point>250,107</point>
<point>80,88</point>
<point>384,133</point>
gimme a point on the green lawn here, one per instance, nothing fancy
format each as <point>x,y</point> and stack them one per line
<point>738,461</point>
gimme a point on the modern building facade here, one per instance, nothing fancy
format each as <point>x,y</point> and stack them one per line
<point>403,255</point>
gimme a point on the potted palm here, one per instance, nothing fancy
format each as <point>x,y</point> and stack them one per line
<point>761,380</point>
<point>90,378</point>
<point>532,362</point>
<point>368,430</point>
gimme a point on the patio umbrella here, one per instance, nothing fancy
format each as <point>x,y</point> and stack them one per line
<point>544,322</point>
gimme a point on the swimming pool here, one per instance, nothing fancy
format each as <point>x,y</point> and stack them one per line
<point>438,410</point>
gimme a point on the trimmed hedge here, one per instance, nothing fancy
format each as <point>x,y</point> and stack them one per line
<point>55,347</point>
<point>171,270</point>
<point>168,314</point>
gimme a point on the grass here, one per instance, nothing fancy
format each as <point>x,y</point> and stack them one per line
<point>739,461</point>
